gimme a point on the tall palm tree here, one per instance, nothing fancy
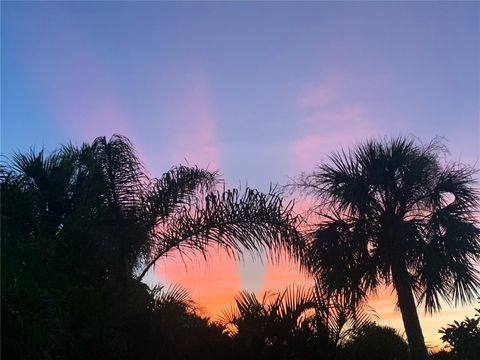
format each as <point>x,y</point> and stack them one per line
<point>395,214</point>
<point>182,210</point>
<point>138,219</point>
<point>90,219</point>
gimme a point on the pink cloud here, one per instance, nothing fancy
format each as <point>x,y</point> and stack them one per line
<point>328,131</point>
<point>329,118</point>
<point>192,123</point>
<point>323,94</point>
<point>314,96</point>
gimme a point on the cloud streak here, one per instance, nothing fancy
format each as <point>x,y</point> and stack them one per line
<point>190,125</point>
<point>190,120</point>
<point>329,119</point>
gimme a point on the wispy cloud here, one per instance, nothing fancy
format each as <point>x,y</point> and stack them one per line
<point>328,131</point>
<point>191,123</point>
<point>329,119</point>
<point>317,96</point>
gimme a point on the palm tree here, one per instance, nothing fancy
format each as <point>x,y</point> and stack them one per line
<point>139,219</point>
<point>396,214</point>
<point>271,327</point>
<point>299,322</point>
<point>172,327</point>
<point>35,193</point>
<point>90,220</point>
<point>182,210</point>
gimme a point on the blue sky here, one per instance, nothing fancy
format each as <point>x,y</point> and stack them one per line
<point>260,91</point>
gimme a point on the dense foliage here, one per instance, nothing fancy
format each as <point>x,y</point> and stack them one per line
<point>374,342</point>
<point>82,226</point>
<point>463,337</point>
<point>298,323</point>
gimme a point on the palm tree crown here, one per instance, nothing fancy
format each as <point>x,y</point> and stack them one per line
<point>395,214</point>
<point>136,219</point>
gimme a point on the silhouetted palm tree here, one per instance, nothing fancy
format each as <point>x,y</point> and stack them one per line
<point>80,224</point>
<point>146,218</point>
<point>298,323</point>
<point>395,214</point>
<point>165,323</point>
<point>270,327</point>
<point>182,211</point>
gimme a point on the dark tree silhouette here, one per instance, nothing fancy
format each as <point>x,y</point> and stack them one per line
<point>80,228</point>
<point>297,323</point>
<point>375,342</point>
<point>396,214</point>
<point>150,217</point>
<point>463,337</point>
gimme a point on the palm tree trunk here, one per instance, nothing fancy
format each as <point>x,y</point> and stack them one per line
<point>406,302</point>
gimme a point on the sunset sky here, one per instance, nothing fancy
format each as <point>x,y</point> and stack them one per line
<point>260,91</point>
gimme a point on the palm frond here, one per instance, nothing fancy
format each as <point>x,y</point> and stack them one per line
<point>252,221</point>
<point>122,171</point>
<point>177,188</point>
<point>173,294</point>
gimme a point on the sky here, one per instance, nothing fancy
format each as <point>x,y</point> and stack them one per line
<point>260,91</point>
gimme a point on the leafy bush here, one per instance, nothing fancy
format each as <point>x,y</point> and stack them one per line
<point>375,342</point>
<point>464,337</point>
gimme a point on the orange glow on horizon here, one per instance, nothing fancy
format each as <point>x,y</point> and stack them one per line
<point>214,283</point>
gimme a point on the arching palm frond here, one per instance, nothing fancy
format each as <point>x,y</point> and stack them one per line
<point>48,179</point>
<point>177,188</point>
<point>252,221</point>
<point>293,323</point>
<point>336,319</point>
<point>174,294</point>
<point>122,171</point>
